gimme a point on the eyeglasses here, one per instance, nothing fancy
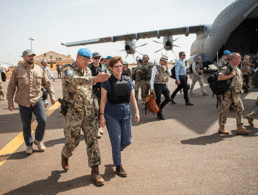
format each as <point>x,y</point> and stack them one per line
<point>96,58</point>
<point>183,55</point>
<point>118,66</point>
<point>144,58</point>
<point>198,58</point>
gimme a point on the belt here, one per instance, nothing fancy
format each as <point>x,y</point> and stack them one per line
<point>160,83</point>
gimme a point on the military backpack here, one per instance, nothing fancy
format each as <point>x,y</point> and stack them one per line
<point>219,87</point>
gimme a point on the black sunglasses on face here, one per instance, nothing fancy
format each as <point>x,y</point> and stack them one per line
<point>96,58</point>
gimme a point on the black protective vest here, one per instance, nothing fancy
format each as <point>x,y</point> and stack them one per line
<point>120,90</point>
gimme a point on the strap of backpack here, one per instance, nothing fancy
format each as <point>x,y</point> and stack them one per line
<point>231,69</point>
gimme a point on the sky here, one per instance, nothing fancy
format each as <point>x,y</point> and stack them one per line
<point>51,23</point>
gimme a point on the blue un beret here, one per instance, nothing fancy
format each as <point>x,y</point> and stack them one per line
<point>108,57</point>
<point>84,52</point>
<point>226,52</point>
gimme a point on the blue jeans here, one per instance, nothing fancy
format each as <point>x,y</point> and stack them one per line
<point>183,85</point>
<point>26,116</point>
<point>120,134</point>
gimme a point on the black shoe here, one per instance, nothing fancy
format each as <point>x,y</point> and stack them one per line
<point>188,104</point>
<point>161,117</point>
<point>172,101</point>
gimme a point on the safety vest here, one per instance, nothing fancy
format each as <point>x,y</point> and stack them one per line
<point>120,90</point>
<point>162,75</point>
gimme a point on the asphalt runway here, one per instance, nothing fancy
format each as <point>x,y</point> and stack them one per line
<point>183,154</point>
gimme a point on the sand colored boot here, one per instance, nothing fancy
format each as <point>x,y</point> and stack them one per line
<point>242,131</point>
<point>222,130</point>
<point>256,102</point>
<point>250,120</point>
<point>95,176</point>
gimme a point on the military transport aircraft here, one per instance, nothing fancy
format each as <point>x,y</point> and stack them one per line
<point>235,29</point>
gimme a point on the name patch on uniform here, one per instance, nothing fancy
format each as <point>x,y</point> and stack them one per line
<point>69,72</point>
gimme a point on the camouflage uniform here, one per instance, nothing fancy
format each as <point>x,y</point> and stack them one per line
<point>137,81</point>
<point>222,62</point>
<point>198,68</point>
<point>2,97</point>
<point>253,114</point>
<point>77,91</point>
<point>232,97</point>
<point>145,76</point>
<point>58,69</point>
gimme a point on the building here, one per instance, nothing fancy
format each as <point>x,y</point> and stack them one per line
<point>52,58</point>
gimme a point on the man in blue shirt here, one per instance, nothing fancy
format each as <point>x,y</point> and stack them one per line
<point>181,79</point>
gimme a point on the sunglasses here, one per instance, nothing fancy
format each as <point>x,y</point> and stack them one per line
<point>96,58</point>
<point>198,58</point>
<point>118,66</point>
<point>183,55</point>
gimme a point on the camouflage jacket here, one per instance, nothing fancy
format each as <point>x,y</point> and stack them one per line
<point>222,62</point>
<point>145,71</point>
<point>162,75</point>
<point>77,88</point>
<point>197,67</point>
<point>135,74</point>
<point>236,83</point>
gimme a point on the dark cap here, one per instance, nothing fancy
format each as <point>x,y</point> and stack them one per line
<point>96,54</point>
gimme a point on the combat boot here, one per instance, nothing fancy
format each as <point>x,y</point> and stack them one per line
<point>222,130</point>
<point>256,102</point>
<point>95,176</point>
<point>242,131</point>
<point>99,134</point>
<point>250,120</point>
<point>191,93</point>
<point>65,163</point>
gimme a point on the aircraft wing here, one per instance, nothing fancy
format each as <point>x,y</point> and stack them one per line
<point>141,35</point>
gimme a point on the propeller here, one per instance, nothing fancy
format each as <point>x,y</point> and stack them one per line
<point>167,44</point>
<point>142,45</point>
<point>157,42</point>
<point>158,50</point>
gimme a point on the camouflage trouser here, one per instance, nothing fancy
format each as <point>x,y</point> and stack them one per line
<point>254,114</point>
<point>59,74</point>
<point>1,92</point>
<point>200,79</point>
<point>226,102</point>
<point>96,103</point>
<point>137,87</point>
<point>145,87</point>
<point>86,122</point>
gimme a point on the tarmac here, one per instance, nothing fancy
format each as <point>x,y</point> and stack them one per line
<point>183,154</point>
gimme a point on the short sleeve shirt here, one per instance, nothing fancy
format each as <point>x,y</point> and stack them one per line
<point>117,110</point>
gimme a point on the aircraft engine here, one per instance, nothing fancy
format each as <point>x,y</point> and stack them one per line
<point>168,43</point>
<point>130,47</point>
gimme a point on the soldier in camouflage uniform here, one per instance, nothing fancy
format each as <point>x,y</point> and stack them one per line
<point>79,112</point>
<point>2,97</point>
<point>223,61</point>
<point>198,76</point>
<point>137,78</point>
<point>159,78</point>
<point>145,76</point>
<point>233,95</point>
<point>250,117</point>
